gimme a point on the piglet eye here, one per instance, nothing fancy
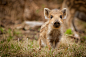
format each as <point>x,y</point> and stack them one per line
<point>51,16</point>
<point>61,16</point>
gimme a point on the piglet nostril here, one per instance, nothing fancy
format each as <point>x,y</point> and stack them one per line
<point>56,23</point>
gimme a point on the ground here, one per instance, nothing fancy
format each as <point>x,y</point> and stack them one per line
<point>24,43</point>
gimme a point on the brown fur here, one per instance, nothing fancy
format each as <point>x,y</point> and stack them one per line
<point>49,35</point>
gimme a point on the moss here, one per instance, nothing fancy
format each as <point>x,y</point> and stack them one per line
<point>69,32</point>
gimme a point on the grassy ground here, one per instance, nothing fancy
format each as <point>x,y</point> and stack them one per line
<point>20,43</point>
<point>26,47</point>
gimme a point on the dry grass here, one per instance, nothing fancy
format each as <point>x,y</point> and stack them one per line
<point>29,48</point>
<point>15,44</point>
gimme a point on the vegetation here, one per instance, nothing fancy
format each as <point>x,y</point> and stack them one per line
<point>29,48</point>
<point>69,32</point>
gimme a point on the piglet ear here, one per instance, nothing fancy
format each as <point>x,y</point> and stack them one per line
<point>64,10</point>
<point>46,13</point>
